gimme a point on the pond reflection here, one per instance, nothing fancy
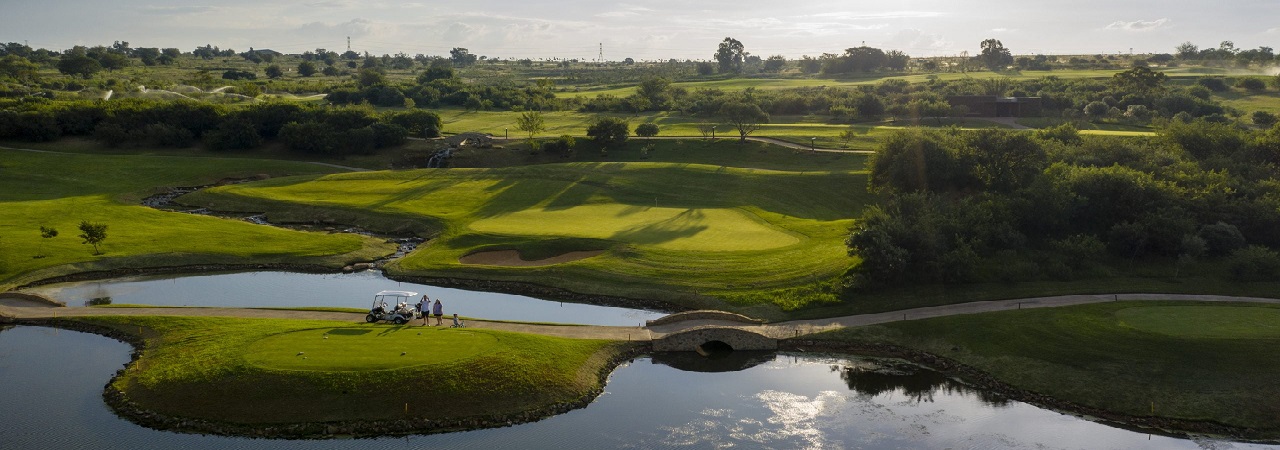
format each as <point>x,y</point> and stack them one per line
<point>871,378</point>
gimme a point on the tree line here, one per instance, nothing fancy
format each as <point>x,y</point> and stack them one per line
<point>309,129</point>
<point>996,205</point>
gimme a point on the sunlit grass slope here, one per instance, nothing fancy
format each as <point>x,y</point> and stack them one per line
<point>60,190</point>
<point>675,232</point>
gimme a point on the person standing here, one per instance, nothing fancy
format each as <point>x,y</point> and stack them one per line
<point>438,310</point>
<point>424,308</point>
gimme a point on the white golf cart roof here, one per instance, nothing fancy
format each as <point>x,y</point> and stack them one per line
<point>396,294</point>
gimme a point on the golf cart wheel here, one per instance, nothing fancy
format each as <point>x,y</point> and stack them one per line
<point>400,321</point>
<point>370,318</point>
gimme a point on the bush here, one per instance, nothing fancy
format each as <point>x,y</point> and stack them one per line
<point>1213,83</point>
<point>1254,263</point>
<point>1263,119</point>
<point>647,130</point>
<point>110,134</point>
<point>1252,83</point>
<point>562,145</point>
<point>233,135</point>
<point>164,135</point>
<point>608,131</point>
<point>1222,238</point>
<point>388,135</point>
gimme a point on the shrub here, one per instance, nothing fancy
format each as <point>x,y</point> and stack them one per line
<point>1263,118</point>
<point>233,135</point>
<point>1252,84</point>
<point>1222,238</point>
<point>1254,263</point>
<point>608,131</point>
<point>561,145</point>
<point>1213,83</point>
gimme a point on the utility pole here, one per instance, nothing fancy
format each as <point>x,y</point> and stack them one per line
<point>600,56</point>
<point>348,43</point>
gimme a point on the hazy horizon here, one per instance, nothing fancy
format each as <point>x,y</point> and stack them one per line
<point>643,30</point>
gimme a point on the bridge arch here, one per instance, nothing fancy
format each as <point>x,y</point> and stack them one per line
<point>706,338</point>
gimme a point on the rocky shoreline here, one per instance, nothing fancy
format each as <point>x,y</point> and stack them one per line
<point>127,409</point>
<point>982,380</point>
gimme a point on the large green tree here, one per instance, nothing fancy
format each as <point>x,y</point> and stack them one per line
<point>730,55</point>
<point>746,117</point>
<point>994,55</point>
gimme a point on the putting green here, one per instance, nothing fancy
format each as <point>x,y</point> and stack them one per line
<point>370,347</point>
<point>703,229</point>
<point>1211,322</point>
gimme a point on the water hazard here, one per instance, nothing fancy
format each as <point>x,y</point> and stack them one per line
<point>51,384</point>
<point>289,289</point>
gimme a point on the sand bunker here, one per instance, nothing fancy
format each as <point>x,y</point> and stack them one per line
<point>512,258</point>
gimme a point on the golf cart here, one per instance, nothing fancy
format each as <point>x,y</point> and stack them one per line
<point>392,306</point>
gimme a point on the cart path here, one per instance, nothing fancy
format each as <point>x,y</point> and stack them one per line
<point>25,309</point>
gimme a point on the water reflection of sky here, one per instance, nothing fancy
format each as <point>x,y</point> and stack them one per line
<point>51,383</point>
<point>355,290</point>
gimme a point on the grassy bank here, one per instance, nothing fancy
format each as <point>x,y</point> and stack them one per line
<point>1191,361</point>
<point>701,235</point>
<point>271,371</point>
<point>61,190</point>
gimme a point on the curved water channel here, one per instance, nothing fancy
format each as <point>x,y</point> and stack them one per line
<point>51,397</point>
<point>353,290</point>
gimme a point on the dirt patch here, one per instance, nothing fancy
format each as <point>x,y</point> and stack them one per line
<point>512,258</point>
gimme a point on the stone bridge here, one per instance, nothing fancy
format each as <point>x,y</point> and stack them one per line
<point>713,338</point>
<point>708,332</point>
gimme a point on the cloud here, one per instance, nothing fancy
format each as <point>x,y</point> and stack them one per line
<point>850,15</point>
<point>1003,30</point>
<point>353,27</point>
<point>913,40</point>
<point>172,10</point>
<point>1138,25</point>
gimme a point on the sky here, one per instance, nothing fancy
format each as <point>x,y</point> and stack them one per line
<point>647,30</point>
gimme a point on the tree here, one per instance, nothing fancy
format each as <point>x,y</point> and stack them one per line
<point>79,65</point>
<point>647,130</point>
<point>775,63</point>
<point>744,116</point>
<point>609,131</point>
<point>93,234</point>
<point>19,68</point>
<point>306,68</point>
<point>46,233</point>
<point>994,55</point>
<point>531,122</point>
<point>461,57</point>
<point>1140,80</point>
<point>273,71</point>
<point>730,55</point>
<point>1187,50</point>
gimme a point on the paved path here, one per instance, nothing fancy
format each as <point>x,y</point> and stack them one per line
<point>25,309</point>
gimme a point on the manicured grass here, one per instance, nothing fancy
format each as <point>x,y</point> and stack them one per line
<point>1210,362</point>
<point>249,371</point>
<point>1248,102</point>
<point>367,348</point>
<point>60,190</point>
<point>688,233</point>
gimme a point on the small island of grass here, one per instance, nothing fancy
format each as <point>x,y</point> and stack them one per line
<point>298,378</point>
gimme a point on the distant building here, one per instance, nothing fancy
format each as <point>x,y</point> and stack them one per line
<point>997,106</point>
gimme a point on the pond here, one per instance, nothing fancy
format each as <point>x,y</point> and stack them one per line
<point>51,397</point>
<point>353,290</point>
